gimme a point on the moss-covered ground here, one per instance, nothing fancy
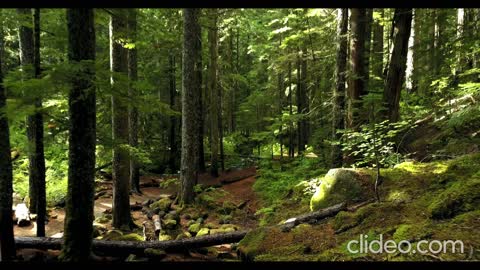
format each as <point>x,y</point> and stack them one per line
<point>418,201</point>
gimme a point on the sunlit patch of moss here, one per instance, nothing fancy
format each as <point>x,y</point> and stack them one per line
<point>398,196</point>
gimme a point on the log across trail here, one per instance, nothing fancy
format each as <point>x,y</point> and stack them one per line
<point>116,248</point>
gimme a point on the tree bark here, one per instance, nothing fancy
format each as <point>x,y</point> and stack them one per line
<point>377,54</point>
<point>368,44</point>
<point>173,119</point>
<point>213,90</point>
<point>411,73</point>
<point>124,248</point>
<point>36,154</point>
<point>120,132</point>
<point>132,92</point>
<point>82,137</point>
<point>396,68</point>
<point>291,147</point>
<point>339,91</point>
<point>302,100</point>
<point>191,92</point>
<point>356,85</point>
<point>41,209</point>
<point>7,243</point>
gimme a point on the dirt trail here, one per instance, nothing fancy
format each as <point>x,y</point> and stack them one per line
<point>240,192</point>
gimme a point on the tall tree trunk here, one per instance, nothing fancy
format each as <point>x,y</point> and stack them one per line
<point>281,93</point>
<point>173,119</point>
<point>377,55</point>
<point>36,155</point>
<point>396,68</point>
<point>38,119</point>
<point>200,105</point>
<point>291,147</point>
<point>120,133</point>
<point>220,128</point>
<point>411,79</point>
<point>191,92</point>
<point>7,242</point>
<point>299,100</point>
<point>368,43</point>
<point>339,91</point>
<point>213,90</point>
<point>132,92</point>
<point>357,62</point>
<point>82,136</point>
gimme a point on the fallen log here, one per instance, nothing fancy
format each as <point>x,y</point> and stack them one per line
<point>117,248</point>
<point>314,216</point>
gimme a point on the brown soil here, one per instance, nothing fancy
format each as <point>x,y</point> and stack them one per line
<point>239,191</point>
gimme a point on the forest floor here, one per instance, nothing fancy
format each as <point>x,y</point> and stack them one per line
<point>237,192</point>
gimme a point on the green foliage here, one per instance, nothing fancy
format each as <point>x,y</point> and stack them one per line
<point>384,137</point>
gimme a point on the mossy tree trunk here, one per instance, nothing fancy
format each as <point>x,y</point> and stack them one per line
<point>82,137</point>
<point>120,133</point>
<point>36,156</point>
<point>397,63</point>
<point>191,91</point>
<point>132,92</point>
<point>339,91</point>
<point>7,243</point>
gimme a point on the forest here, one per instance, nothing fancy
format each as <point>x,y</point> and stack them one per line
<point>239,135</point>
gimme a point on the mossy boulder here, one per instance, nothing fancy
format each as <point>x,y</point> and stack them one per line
<point>225,219</point>
<point>112,235</point>
<point>164,237</point>
<point>104,219</point>
<point>163,204</point>
<point>130,237</point>
<point>459,198</point>
<point>227,207</point>
<point>340,185</point>
<point>194,228</point>
<point>170,224</point>
<point>222,230</point>
<point>183,235</point>
<point>203,231</point>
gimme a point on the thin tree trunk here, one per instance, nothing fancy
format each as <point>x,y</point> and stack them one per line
<point>7,243</point>
<point>191,91</point>
<point>377,55</point>
<point>396,68</point>
<point>339,91</point>
<point>411,72</point>
<point>36,154</point>
<point>120,133</point>
<point>82,137</point>
<point>132,92</point>
<point>40,183</point>
<point>291,149</point>
<point>213,90</point>
<point>368,43</point>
